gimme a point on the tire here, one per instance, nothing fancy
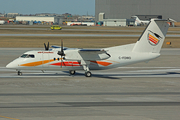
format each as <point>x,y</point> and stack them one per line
<point>88,74</point>
<point>19,73</point>
<point>72,72</point>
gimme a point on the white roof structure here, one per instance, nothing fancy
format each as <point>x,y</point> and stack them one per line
<point>35,18</point>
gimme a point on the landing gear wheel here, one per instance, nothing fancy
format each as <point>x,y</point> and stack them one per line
<point>19,73</point>
<point>72,72</point>
<point>88,74</point>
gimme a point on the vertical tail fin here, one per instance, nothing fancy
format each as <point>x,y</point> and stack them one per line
<point>138,20</point>
<point>153,37</point>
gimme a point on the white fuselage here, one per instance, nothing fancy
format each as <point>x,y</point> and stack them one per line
<point>50,60</point>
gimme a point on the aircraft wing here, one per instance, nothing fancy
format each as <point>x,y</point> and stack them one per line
<point>54,46</point>
<point>93,54</point>
<point>92,51</point>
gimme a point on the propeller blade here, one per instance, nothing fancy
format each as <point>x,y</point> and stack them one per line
<point>62,49</point>
<point>46,47</point>
<point>61,53</point>
<point>62,46</point>
<point>61,62</point>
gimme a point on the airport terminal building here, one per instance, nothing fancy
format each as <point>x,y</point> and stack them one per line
<point>124,9</point>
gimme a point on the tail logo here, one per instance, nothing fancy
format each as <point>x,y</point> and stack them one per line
<point>153,38</point>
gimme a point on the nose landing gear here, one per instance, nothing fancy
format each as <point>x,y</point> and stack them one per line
<point>72,72</point>
<point>19,73</point>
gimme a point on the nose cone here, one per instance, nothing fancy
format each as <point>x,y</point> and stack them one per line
<point>11,65</point>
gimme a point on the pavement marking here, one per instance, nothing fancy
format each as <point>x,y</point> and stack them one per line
<point>9,117</point>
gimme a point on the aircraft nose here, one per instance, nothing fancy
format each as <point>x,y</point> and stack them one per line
<point>11,65</point>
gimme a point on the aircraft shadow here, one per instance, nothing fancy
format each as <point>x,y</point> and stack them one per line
<point>105,75</point>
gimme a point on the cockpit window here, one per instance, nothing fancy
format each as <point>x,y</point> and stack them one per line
<point>27,56</point>
<point>30,56</point>
<point>24,55</point>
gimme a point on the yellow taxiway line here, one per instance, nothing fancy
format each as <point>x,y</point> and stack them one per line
<point>9,117</point>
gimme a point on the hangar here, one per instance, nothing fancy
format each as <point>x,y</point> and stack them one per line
<point>124,9</point>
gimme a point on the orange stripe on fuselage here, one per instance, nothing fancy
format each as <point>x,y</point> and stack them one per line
<point>32,64</point>
<point>102,63</point>
<point>67,63</point>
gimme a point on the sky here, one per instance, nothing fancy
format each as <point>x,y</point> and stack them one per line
<point>75,7</point>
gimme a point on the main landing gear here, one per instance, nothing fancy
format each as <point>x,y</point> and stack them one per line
<point>88,74</point>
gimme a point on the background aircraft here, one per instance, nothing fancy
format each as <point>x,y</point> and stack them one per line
<point>62,58</point>
<point>139,22</point>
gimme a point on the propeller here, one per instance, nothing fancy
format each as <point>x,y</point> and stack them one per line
<point>61,53</point>
<point>46,47</point>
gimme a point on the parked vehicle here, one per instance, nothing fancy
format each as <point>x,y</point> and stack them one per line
<point>56,27</point>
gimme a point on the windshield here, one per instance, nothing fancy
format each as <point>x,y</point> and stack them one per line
<point>24,55</point>
<point>30,56</point>
<point>27,56</point>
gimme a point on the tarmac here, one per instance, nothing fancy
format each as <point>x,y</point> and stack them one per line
<point>143,91</point>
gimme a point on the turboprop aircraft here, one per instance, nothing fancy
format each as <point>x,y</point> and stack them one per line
<point>62,58</point>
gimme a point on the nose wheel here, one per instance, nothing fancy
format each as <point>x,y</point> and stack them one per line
<point>19,73</point>
<point>72,72</point>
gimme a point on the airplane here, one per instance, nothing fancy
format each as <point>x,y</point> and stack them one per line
<point>2,22</point>
<point>139,22</point>
<point>62,58</point>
